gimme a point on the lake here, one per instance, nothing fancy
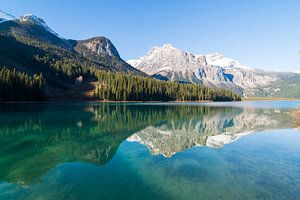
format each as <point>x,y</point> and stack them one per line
<point>235,150</point>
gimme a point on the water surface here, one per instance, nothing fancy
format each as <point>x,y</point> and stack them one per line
<point>239,150</point>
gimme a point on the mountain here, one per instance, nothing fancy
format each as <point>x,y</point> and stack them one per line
<point>215,70</point>
<point>102,50</point>
<point>34,30</point>
<point>30,18</point>
<point>33,56</point>
<point>98,50</point>
<point>98,46</point>
<point>29,45</point>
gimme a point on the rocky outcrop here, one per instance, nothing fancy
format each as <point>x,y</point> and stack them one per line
<point>98,45</point>
<point>213,70</point>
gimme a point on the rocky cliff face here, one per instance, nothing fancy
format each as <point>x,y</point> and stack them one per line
<point>98,45</point>
<point>101,50</point>
<point>213,70</point>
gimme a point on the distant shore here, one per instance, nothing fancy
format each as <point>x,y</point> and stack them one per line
<point>96,101</point>
<point>269,99</point>
<point>109,101</point>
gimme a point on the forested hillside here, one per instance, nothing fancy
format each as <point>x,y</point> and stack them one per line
<point>121,87</point>
<point>41,65</point>
<point>18,86</point>
<point>28,47</point>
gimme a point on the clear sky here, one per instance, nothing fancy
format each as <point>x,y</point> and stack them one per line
<point>259,33</point>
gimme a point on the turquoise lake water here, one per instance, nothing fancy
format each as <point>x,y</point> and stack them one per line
<point>236,150</point>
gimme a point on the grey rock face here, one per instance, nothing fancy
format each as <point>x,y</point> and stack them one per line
<point>212,70</point>
<point>100,45</point>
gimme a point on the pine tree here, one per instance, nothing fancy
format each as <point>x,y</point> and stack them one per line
<point>18,86</point>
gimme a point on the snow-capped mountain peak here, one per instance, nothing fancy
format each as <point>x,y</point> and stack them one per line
<point>5,16</point>
<point>38,21</point>
<point>217,59</point>
<point>31,18</point>
<point>26,18</point>
<point>165,47</point>
<point>166,59</point>
<point>213,70</point>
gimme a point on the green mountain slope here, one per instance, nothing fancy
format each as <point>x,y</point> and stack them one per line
<point>71,69</point>
<point>22,42</point>
<point>101,50</point>
<point>287,86</point>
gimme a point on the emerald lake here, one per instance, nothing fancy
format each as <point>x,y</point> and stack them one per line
<point>235,150</point>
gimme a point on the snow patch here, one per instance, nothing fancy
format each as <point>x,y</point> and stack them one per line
<point>213,70</point>
<point>218,59</point>
<point>36,20</point>
<point>277,89</point>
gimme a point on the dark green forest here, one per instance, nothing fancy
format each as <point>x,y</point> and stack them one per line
<point>37,59</point>
<point>18,86</point>
<point>60,67</point>
<point>121,87</point>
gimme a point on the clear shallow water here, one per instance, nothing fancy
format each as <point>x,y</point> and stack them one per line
<point>248,150</point>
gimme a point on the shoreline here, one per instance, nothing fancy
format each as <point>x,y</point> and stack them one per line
<point>76,101</point>
<point>269,99</point>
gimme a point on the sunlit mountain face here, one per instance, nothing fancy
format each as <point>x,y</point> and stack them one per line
<point>33,140</point>
<point>216,70</point>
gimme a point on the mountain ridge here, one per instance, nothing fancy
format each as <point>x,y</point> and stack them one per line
<point>80,70</point>
<point>29,45</point>
<point>213,70</point>
<point>34,28</point>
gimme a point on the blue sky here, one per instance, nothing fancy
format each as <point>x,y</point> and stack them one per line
<point>258,33</point>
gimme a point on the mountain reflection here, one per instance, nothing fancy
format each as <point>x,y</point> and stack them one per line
<point>37,138</point>
<point>214,127</point>
<point>296,118</point>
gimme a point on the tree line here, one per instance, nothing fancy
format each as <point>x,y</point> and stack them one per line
<point>60,67</point>
<point>121,87</point>
<point>19,86</point>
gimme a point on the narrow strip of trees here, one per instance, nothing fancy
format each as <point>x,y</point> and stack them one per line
<point>121,87</point>
<point>19,86</point>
